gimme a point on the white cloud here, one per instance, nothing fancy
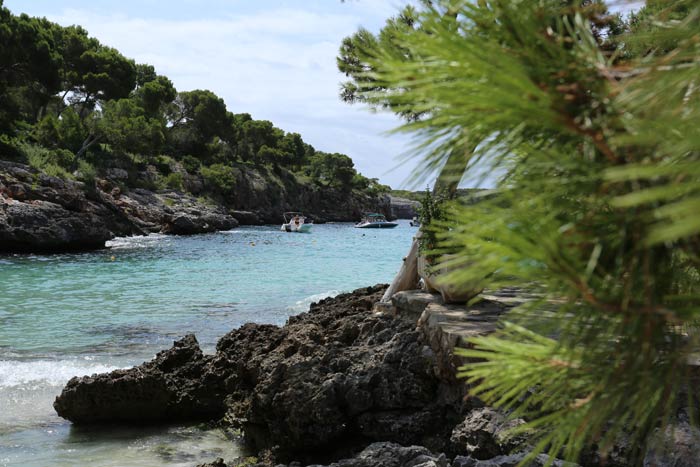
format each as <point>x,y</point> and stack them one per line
<point>277,64</point>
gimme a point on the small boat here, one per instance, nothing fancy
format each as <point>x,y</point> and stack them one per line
<point>414,222</point>
<point>375,221</point>
<point>296,222</point>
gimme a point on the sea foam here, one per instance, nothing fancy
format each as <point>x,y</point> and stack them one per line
<point>42,373</point>
<point>304,304</point>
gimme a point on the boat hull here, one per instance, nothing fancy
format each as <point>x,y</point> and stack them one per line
<point>376,225</point>
<point>303,228</point>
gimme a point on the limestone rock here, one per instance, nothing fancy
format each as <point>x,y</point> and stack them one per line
<point>677,446</point>
<point>175,385</point>
<point>332,379</point>
<point>40,213</point>
<point>512,460</point>
<point>484,434</point>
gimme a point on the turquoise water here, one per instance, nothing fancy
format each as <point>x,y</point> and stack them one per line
<point>75,314</point>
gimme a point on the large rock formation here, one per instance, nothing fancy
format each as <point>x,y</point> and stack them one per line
<point>48,214</point>
<point>335,376</point>
<point>269,193</point>
<point>330,380</point>
<point>387,454</point>
<point>43,213</point>
<point>403,208</point>
<point>338,382</point>
<point>176,385</point>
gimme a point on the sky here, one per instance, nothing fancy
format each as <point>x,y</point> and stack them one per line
<point>272,59</point>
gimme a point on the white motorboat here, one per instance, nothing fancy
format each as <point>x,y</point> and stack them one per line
<point>415,222</point>
<point>296,222</point>
<point>375,221</point>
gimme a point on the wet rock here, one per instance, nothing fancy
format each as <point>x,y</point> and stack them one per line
<point>176,385</point>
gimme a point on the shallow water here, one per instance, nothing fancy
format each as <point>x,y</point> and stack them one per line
<point>75,314</point>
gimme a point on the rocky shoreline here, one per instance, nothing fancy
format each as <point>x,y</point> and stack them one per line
<point>41,213</point>
<point>339,385</point>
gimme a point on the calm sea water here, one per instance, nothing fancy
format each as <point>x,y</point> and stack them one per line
<point>75,314</point>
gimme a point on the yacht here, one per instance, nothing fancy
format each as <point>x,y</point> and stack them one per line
<point>296,222</point>
<point>375,221</point>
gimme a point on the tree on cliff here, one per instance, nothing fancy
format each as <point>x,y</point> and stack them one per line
<point>591,125</point>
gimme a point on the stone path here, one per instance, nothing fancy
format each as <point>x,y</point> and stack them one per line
<point>447,326</point>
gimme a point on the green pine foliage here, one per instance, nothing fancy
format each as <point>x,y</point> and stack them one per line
<point>590,125</point>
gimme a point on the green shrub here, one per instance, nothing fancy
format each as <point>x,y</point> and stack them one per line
<point>594,160</point>
<point>11,150</point>
<point>54,170</point>
<point>191,164</point>
<point>163,164</point>
<point>174,180</point>
<point>56,162</point>
<point>219,178</point>
<point>86,173</point>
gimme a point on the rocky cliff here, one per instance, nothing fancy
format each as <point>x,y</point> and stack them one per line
<point>404,208</point>
<point>48,214</point>
<point>41,213</point>
<point>265,194</point>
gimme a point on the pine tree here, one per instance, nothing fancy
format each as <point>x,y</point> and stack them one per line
<point>591,126</point>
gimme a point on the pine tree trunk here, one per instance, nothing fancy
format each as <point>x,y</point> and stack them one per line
<point>407,277</point>
<point>446,182</point>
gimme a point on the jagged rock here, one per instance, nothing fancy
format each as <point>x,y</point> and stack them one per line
<point>176,385</point>
<point>173,212</point>
<point>246,217</point>
<point>484,434</point>
<point>393,455</point>
<point>42,213</point>
<point>193,223</point>
<point>677,446</point>
<point>385,454</point>
<point>219,462</point>
<point>512,460</point>
<point>403,208</point>
<point>332,379</point>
